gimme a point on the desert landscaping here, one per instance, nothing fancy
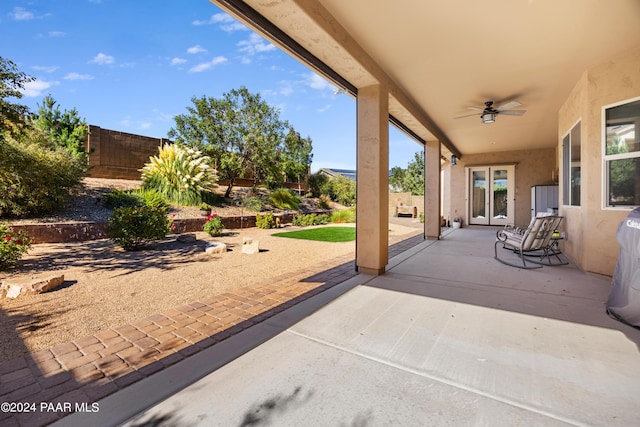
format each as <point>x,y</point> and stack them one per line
<point>105,286</point>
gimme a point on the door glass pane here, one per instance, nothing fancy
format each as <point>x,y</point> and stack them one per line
<point>500,181</point>
<point>479,187</point>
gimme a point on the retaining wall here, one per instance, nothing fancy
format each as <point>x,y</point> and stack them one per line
<point>83,231</point>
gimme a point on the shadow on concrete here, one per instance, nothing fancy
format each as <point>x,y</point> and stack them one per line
<point>263,413</point>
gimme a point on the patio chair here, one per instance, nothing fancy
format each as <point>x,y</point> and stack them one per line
<point>534,241</point>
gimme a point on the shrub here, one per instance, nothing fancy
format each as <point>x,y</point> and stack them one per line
<point>13,244</point>
<point>120,199</point>
<point>265,221</point>
<point>324,202</point>
<point>36,179</point>
<point>317,184</point>
<point>343,190</point>
<point>343,215</point>
<point>153,198</point>
<point>284,199</point>
<point>127,198</point>
<point>254,203</point>
<point>304,220</point>
<point>182,175</point>
<point>213,225</point>
<point>135,226</point>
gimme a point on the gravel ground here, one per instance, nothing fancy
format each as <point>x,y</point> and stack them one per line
<point>106,287</point>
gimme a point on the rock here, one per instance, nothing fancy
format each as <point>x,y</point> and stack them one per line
<point>186,238</point>
<point>250,246</point>
<point>38,286</point>
<point>215,248</point>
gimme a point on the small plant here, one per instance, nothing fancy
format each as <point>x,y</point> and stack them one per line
<point>284,199</point>
<point>135,226</point>
<point>265,221</point>
<point>304,220</point>
<point>422,218</point>
<point>213,225</point>
<point>13,244</point>
<point>343,215</point>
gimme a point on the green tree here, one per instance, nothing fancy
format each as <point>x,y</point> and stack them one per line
<point>64,129</point>
<point>12,82</point>
<point>241,134</point>
<point>297,155</point>
<point>410,180</point>
<point>396,178</point>
<point>318,184</point>
<point>414,178</point>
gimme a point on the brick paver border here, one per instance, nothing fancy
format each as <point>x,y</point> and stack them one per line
<point>42,386</point>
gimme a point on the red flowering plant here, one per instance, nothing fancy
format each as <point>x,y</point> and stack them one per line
<point>13,244</point>
<point>213,225</point>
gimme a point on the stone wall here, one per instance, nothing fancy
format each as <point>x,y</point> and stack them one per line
<point>84,231</point>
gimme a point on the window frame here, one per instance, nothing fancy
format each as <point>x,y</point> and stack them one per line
<point>566,165</point>
<point>609,157</point>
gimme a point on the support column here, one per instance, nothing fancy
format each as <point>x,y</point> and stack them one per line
<point>372,241</point>
<point>432,196</point>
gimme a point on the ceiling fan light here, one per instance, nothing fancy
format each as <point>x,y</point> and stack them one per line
<point>488,118</point>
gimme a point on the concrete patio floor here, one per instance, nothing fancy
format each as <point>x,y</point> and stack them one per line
<point>448,336</point>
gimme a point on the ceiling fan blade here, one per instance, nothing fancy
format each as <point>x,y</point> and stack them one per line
<point>512,112</point>
<point>467,115</point>
<point>508,105</point>
<point>476,108</point>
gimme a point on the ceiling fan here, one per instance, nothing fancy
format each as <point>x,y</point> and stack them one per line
<point>489,113</point>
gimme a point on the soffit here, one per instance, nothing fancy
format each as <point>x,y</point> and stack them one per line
<point>438,57</point>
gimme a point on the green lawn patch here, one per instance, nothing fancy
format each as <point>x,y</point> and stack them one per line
<point>322,234</point>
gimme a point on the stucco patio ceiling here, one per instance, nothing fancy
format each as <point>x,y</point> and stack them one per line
<point>439,57</point>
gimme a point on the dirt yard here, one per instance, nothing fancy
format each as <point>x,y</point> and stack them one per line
<point>106,287</point>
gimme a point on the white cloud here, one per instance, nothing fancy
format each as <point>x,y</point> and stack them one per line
<point>77,76</point>
<point>286,88</point>
<point>22,14</point>
<point>37,88</point>
<point>196,49</point>
<point>55,34</point>
<point>255,44</point>
<point>103,59</point>
<point>46,68</point>
<point>314,81</point>
<point>227,22</point>
<point>325,108</point>
<point>178,61</point>
<point>208,65</point>
<point>144,125</point>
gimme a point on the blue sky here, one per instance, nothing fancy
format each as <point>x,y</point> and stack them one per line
<point>132,66</point>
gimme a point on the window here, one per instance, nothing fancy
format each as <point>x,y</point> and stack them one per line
<point>571,167</point>
<point>622,155</point>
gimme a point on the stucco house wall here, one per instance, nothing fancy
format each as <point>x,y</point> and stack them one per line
<point>533,167</point>
<point>591,227</point>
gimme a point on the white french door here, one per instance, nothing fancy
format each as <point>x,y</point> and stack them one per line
<point>491,195</point>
